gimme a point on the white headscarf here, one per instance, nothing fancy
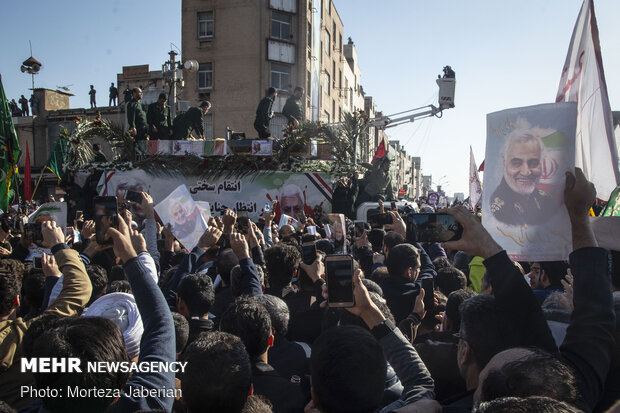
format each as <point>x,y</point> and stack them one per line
<point>121,309</point>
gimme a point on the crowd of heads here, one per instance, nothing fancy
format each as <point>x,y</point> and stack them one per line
<point>252,317</point>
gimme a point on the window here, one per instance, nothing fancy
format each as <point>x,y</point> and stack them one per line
<point>205,76</point>
<point>205,24</point>
<point>334,108</point>
<point>340,42</point>
<point>326,84</point>
<point>309,84</point>
<point>327,43</point>
<point>280,26</point>
<point>280,76</point>
<point>309,34</point>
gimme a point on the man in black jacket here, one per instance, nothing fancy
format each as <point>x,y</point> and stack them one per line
<point>195,297</point>
<point>158,118</point>
<point>249,320</point>
<point>264,113</point>
<point>293,108</point>
<point>192,120</point>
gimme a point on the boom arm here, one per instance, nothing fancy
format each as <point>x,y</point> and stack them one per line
<point>446,101</point>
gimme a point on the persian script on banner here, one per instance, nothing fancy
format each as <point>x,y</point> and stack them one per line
<point>528,152</point>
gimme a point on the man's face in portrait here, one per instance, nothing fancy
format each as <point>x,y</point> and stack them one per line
<point>177,212</point>
<point>522,166</point>
<point>292,206</point>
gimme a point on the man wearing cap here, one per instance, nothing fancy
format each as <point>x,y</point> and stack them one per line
<point>192,120</point>
<point>264,113</point>
<point>158,118</point>
<point>136,116</point>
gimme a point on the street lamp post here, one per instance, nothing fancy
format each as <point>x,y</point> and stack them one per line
<point>171,70</point>
<point>32,66</point>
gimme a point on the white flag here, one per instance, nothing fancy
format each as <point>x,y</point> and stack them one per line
<point>583,81</point>
<point>475,188</point>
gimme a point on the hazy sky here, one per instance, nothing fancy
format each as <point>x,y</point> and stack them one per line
<point>506,54</point>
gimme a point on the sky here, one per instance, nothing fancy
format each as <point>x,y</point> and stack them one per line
<point>505,54</point>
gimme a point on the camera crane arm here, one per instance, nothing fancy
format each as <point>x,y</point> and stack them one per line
<point>446,85</point>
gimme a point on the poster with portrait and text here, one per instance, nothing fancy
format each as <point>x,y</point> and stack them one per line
<point>528,152</point>
<point>295,193</point>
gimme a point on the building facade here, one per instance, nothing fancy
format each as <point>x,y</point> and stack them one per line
<point>244,47</point>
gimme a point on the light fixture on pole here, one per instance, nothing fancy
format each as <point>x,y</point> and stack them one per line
<point>173,76</point>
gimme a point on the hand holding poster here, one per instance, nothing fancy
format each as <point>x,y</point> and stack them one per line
<point>528,152</point>
<point>180,211</point>
<point>338,232</point>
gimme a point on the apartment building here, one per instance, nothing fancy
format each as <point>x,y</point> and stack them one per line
<point>244,47</point>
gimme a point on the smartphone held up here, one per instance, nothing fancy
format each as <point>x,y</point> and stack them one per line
<point>339,274</point>
<point>106,216</point>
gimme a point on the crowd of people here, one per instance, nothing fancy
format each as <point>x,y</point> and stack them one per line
<point>22,109</point>
<point>250,315</point>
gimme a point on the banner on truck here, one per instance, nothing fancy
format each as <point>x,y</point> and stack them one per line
<point>295,192</point>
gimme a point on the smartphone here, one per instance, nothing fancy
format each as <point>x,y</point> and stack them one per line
<point>302,217</point>
<point>432,228</point>
<point>133,196</point>
<point>267,207</point>
<point>308,250</point>
<point>79,214</point>
<point>106,216</point>
<point>34,232</point>
<point>37,262</point>
<point>80,225</point>
<point>339,271</point>
<point>380,219</point>
<point>243,223</point>
<point>428,285</point>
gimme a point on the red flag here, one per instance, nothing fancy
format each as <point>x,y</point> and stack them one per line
<point>27,178</point>
<point>583,81</point>
<point>380,152</point>
<point>481,167</point>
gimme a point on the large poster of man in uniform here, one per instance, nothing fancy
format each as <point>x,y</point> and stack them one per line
<point>528,152</point>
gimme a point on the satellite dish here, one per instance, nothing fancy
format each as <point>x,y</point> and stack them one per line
<point>191,65</point>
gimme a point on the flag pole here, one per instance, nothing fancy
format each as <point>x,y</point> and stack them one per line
<point>37,185</point>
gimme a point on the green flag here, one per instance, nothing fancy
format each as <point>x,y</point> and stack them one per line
<point>9,152</point>
<point>613,206</point>
<point>57,158</point>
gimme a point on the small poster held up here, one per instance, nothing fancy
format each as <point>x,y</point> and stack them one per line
<point>50,211</point>
<point>338,232</point>
<point>528,152</point>
<point>180,211</point>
